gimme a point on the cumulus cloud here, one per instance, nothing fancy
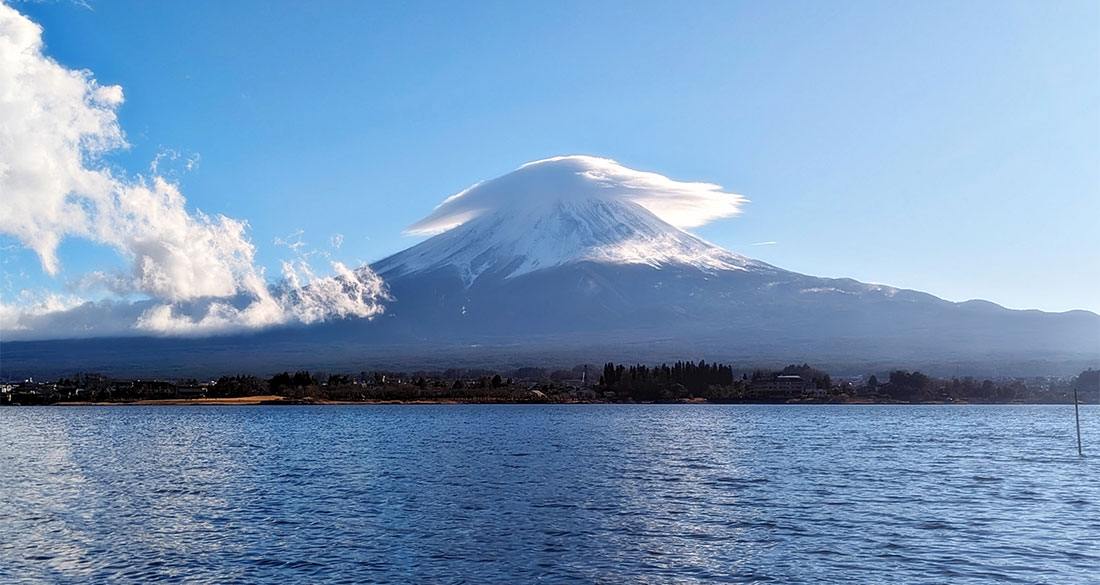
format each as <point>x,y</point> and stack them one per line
<point>197,273</point>
<point>545,182</point>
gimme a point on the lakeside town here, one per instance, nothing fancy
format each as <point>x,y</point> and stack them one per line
<point>679,382</point>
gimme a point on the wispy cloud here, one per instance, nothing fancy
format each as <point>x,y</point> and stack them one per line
<point>196,272</point>
<point>189,163</point>
<point>765,243</point>
<point>293,241</point>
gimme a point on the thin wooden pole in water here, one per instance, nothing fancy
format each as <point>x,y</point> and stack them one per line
<point>1077,415</point>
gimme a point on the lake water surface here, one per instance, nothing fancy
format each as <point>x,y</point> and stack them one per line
<point>549,494</point>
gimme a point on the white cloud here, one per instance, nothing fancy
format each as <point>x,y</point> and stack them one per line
<point>765,243</point>
<point>52,120</point>
<point>197,271</point>
<point>16,318</point>
<point>548,181</point>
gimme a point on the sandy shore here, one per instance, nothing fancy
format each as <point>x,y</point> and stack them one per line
<point>244,400</point>
<point>266,399</point>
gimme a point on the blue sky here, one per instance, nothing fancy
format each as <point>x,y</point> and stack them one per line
<point>949,147</point>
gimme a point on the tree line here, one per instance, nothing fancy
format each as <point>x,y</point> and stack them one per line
<point>680,381</point>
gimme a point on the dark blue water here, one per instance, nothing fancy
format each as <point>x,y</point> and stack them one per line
<point>550,494</point>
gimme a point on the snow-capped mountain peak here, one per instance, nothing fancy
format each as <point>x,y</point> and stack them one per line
<point>569,209</point>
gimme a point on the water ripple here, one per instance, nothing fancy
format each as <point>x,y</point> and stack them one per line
<point>549,494</point>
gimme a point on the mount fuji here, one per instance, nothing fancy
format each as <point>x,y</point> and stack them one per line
<point>579,259</point>
<point>578,256</point>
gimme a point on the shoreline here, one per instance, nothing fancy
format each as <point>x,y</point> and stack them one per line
<point>273,400</point>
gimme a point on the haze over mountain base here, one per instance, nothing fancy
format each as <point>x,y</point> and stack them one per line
<point>618,313</point>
